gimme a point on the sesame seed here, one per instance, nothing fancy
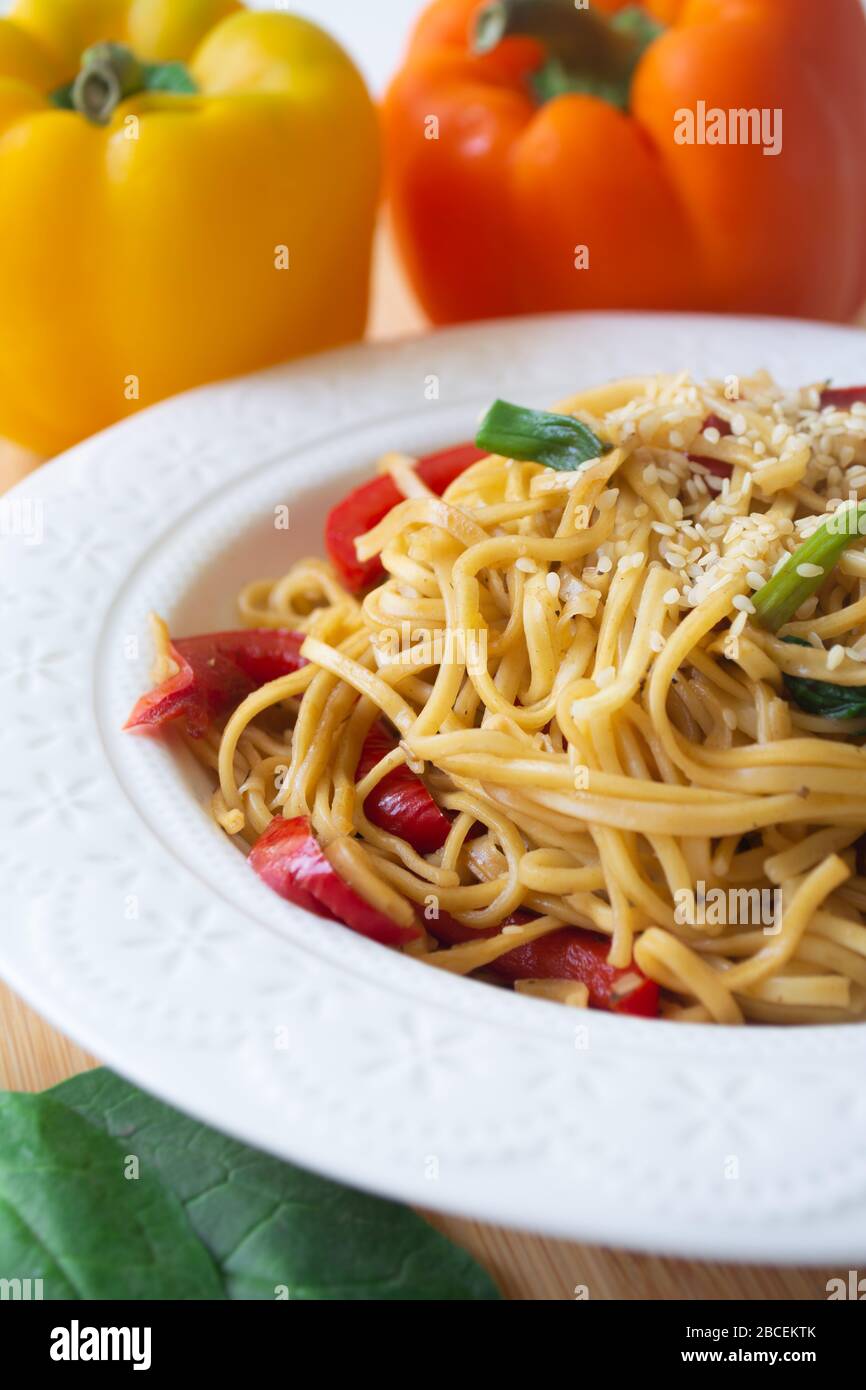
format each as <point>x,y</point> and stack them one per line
<point>675,507</point>
<point>608,499</point>
<point>743,603</point>
<point>755,580</point>
<point>711,435</point>
<point>671,596</point>
<point>807,571</point>
<point>738,624</point>
<point>650,475</point>
<point>739,425</point>
<point>605,564</point>
<point>552,582</point>
<point>835,657</point>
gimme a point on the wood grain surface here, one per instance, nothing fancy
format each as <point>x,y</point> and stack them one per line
<point>34,1055</point>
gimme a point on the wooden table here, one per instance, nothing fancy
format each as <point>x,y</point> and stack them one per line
<point>33,1055</point>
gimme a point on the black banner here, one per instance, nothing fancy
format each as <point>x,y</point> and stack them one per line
<point>81,1339</point>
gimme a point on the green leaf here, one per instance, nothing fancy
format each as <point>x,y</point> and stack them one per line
<point>537,436</point>
<point>168,77</point>
<point>781,596</point>
<point>269,1225</point>
<point>70,1216</point>
<point>824,698</point>
<point>62,97</point>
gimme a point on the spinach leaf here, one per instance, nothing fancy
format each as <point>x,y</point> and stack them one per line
<point>537,436</point>
<point>70,1216</point>
<point>269,1225</point>
<point>824,698</point>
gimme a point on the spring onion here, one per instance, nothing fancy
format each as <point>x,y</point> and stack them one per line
<point>789,588</point>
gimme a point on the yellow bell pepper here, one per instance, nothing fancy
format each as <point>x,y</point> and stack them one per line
<point>188,190</point>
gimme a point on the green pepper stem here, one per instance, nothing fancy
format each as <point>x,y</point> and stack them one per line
<point>581,40</point>
<point>109,73</point>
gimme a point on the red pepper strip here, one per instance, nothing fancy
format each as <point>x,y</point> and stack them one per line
<point>715,422</point>
<point>568,954</point>
<point>716,466</point>
<point>368,504</point>
<point>401,804</point>
<point>289,859</point>
<point>843,397</point>
<point>573,954</point>
<point>217,671</point>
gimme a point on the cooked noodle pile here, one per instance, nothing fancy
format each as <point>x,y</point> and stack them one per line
<point>573,661</point>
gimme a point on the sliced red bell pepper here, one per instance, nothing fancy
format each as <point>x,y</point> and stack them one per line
<point>715,466</point>
<point>401,804</point>
<point>368,504</point>
<point>716,422</point>
<point>216,672</point>
<point>287,856</point>
<point>290,860</point>
<point>573,954</point>
<point>842,397</point>
<point>567,954</point>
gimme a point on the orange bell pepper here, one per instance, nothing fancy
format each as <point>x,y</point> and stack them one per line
<point>510,198</point>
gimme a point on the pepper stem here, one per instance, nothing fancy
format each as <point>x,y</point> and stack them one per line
<point>109,73</point>
<point>585,50</point>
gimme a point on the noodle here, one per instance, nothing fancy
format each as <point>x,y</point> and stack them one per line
<point>573,661</point>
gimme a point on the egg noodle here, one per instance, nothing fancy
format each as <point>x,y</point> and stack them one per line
<point>572,660</point>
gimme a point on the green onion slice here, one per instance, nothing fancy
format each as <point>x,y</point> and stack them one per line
<point>781,596</point>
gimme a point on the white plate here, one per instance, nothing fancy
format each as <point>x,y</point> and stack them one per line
<point>132,923</point>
